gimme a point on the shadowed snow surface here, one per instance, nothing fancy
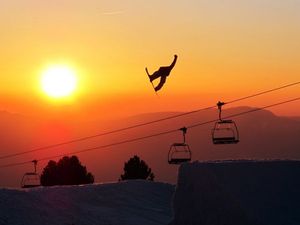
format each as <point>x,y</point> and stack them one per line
<point>131,202</point>
<point>238,193</point>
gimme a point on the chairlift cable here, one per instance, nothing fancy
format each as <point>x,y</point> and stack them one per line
<point>142,124</point>
<point>263,92</point>
<point>152,135</point>
<point>246,112</point>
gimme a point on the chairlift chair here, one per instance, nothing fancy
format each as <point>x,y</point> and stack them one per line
<point>224,131</point>
<point>180,152</point>
<point>31,179</point>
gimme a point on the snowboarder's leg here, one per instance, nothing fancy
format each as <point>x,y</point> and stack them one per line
<point>161,83</point>
<point>154,76</point>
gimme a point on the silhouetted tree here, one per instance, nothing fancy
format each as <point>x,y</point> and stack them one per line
<point>67,171</point>
<point>136,169</point>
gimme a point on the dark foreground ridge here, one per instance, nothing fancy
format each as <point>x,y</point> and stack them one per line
<point>238,192</point>
<point>132,202</point>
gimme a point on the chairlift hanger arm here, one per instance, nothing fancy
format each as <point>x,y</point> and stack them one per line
<point>184,130</point>
<point>34,164</point>
<point>219,105</point>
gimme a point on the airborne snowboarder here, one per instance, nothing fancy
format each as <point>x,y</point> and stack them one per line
<point>162,72</point>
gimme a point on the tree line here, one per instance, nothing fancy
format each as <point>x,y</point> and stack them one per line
<point>70,171</point>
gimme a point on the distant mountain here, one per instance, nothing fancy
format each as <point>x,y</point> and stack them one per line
<point>263,135</point>
<point>297,118</point>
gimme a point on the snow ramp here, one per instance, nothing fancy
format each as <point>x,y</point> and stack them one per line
<point>238,193</point>
<point>130,202</point>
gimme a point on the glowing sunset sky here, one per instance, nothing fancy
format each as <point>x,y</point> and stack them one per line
<point>226,49</point>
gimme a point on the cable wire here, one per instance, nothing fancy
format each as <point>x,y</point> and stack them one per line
<point>143,124</point>
<point>103,134</point>
<point>150,136</point>
<point>263,92</point>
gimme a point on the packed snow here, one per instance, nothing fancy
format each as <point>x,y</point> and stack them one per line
<point>129,202</point>
<point>207,193</point>
<point>238,192</point>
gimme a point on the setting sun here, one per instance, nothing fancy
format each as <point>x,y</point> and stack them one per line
<point>59,81</point>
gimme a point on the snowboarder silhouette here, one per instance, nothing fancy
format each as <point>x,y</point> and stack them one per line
<point>162,72</point>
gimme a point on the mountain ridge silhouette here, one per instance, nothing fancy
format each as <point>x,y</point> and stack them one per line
<point>263,135</point>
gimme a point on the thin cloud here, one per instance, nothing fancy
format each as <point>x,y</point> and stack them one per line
<point>113,13</point>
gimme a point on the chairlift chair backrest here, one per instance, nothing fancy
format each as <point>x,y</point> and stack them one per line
<point>225,132</point>
<point>180,152</point>
<point>31,179</point>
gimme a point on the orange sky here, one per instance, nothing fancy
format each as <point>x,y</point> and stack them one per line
<point>227,49</point>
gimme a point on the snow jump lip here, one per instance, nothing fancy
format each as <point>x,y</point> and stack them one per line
<point>238,192</point>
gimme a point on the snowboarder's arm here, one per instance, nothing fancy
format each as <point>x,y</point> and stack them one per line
<point>174,62</point>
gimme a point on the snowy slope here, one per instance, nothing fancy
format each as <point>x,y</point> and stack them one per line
<point>238,192</point>
<point>133,202</point>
